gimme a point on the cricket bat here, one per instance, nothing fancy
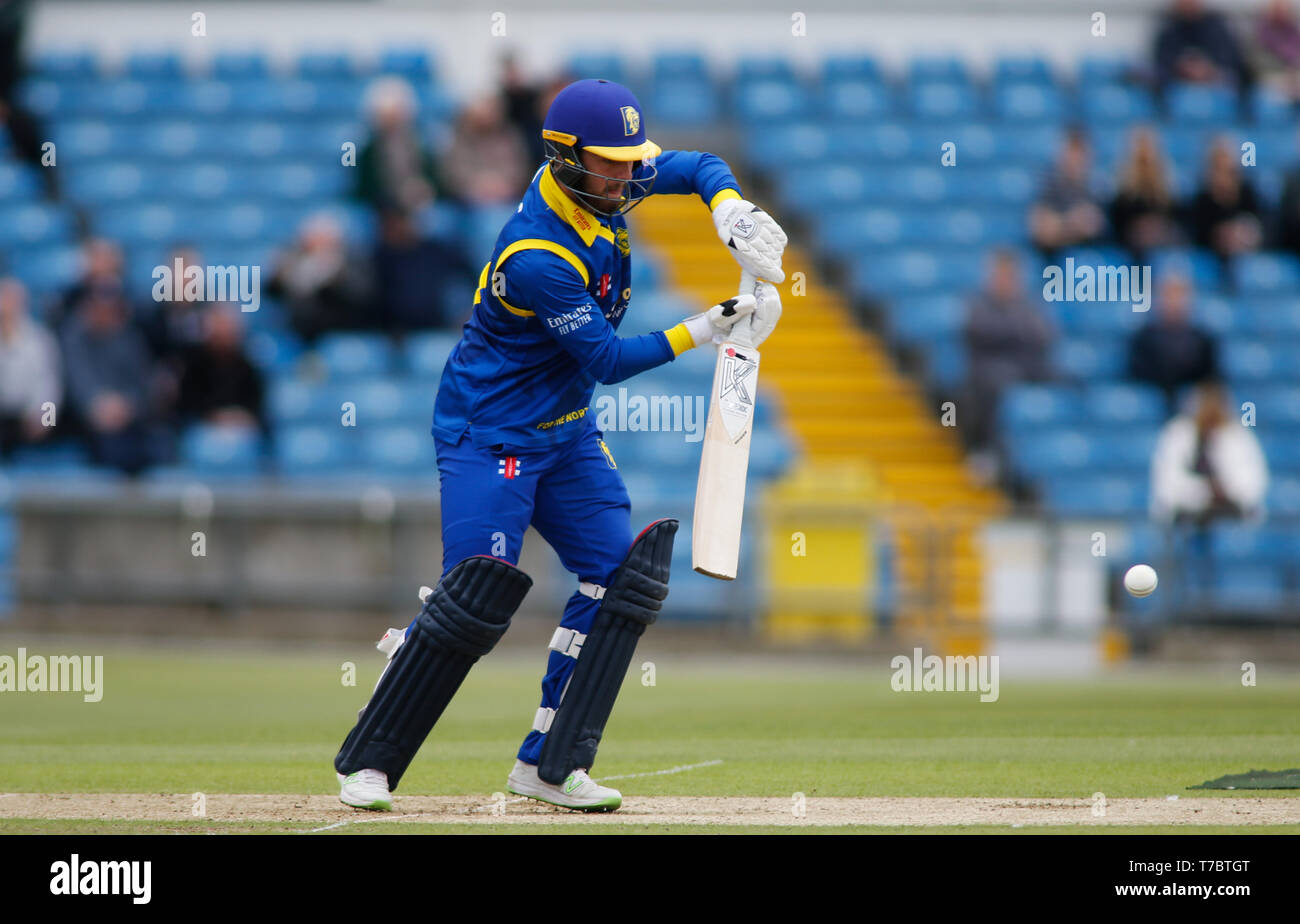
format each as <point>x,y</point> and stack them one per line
<point>724,460</point>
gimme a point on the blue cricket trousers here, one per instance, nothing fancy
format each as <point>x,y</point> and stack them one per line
<point>574,496</point>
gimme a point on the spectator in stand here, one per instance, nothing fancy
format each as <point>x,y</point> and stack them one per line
<point>101,266</point>
<point>1143,214</point>
<point>1206,465</point>
<point>324,285</point>
<point>1066,213</point>
<point>1288,212</point>
<point>221,386</point>
<point>1008,340</point>
<point>1225,214</point>
<point>395,171</point>
<point>1195,45</point>
<point>1170,352</point>
<point>421,283</point>
<point>29,372</point>
<point>109,371</point>
<point>25,132</point>
<point>1276,51</point>
<point>520,99</point>
<point>487,163</point>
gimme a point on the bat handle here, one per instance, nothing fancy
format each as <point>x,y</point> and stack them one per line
<point>748,282</point>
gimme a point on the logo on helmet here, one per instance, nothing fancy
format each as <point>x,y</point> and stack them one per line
<point>631,120</point>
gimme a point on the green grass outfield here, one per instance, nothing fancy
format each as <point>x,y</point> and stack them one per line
<point>242,722</point>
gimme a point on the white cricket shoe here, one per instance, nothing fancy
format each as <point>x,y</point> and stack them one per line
<point>366,789</point>
<point>578,791</point>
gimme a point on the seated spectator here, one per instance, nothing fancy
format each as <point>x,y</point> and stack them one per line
<point>1170,351</point>
<point>1066,213</point>
<point>1276,50</point>
<point>395,172</point>
<point>29,372</point>
<point>1195,45</point>
<point>1288,212</point>
<point>1008,340</point>
<point>1224,216</point>
<point>487,163</point>
<point>109,372</point>
<point>421,283</point>
<point>520,100</point>
<point>220,385</point>
<point>101,266</point>
<point>1206,465</point>
<point>324,286</point>
<point>174,326</point>
<point>1143,214</point>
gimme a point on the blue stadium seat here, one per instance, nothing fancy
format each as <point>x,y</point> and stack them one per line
<point>589,65</point>
<point>859,99</point>
<point>426,353</point>
<point>1089,359</point>
<point>928,318</point>
<point>684,103</point>
<point>1095,70</point>
<point>1283,496</point>
<point>314,449</point>
<point>785,146</point>
<point>138,224</point>
<point>240,65</point>
<point>1109,496</point>
<point>274,351</point>
<point>1056,452</point>
<point>34,224</point>
<point>1022,69</point>
<point>1116,403</point>
<point>1003,186</point>
<point>414,64</point>
<point>65,63</point>
<point>327,65</point>
<point>814,188</point>
<point>1201,104</point>
<point>221,449</point>
<point>1115,103</point>
<point>930,101</point>
<point>771,101</point>
<point>1034,407</point>
<point>399,450</point>
<point>1256,360</point>
<point>946,363</point>
<point>1266,273</point>
<point>393,400</point>
<point>294,401</point>
<point>770,453</point>
<point>1249,589</point>
<point>679,66</point>
<point>937,69</point>
<point>1281,449</point>
<point>930,185</point>
<point>49,270</point>
<point>1268,107</point>
<point>851,68</point>
<point>155,65</point>
<point>1280,406</point>
<point>349,356</point>
<point>750,69</point>
<point>18,182</point>
<point>1200,266</point>
<point>1029,102</point>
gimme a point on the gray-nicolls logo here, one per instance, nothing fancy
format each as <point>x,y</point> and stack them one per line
<point>103,877</point>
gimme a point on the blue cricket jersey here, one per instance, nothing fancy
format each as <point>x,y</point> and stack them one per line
<point>543,332</point>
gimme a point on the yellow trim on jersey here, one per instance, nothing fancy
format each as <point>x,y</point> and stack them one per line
<point>722,196</point>
<point>482,282</point>
<point>537,243</point>
<point>586,224</point>
<point>680,339</point>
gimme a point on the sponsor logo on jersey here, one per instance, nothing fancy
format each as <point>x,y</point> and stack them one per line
<point>509,466</point>
<point>609,456</point>
<point>604,285</point>
<point>620,238</point>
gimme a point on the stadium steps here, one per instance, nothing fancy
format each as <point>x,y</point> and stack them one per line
<point>856,415</point>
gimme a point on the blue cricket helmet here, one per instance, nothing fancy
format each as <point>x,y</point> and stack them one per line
<point>603,118</point>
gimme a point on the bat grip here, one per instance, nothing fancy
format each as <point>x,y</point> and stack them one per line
<point>748,282</point>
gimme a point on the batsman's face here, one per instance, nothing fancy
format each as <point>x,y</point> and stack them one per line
<point>612,182</point>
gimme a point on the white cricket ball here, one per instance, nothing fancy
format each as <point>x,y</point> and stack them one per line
<point>1140,580</point>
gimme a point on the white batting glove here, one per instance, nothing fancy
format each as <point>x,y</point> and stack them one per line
<point>767,311</point>
<point>714,325</point>
<point>753,236</point>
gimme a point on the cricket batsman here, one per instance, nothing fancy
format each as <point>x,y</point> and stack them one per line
<point>516,446</point>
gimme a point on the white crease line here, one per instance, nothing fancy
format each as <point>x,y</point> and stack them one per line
<point>631,776</point>
<point>361,821</point>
